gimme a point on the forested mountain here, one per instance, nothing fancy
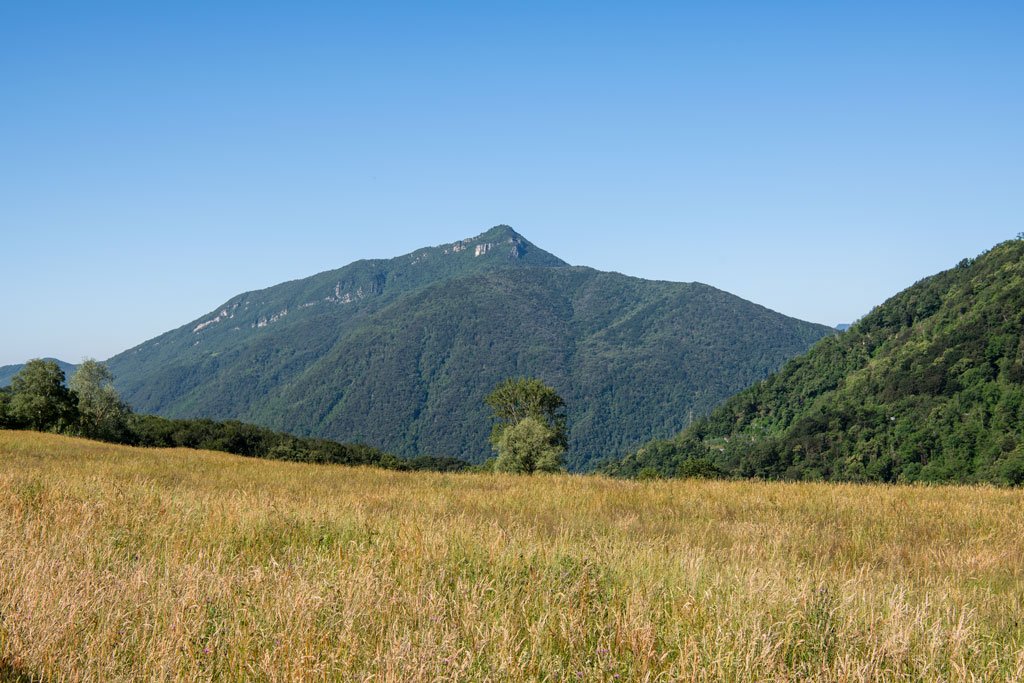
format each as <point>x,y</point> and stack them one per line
<point>400,353</point>
<point>9,371</point>
<point>928,387</point>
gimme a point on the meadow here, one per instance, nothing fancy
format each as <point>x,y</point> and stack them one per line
<point>122,563</point>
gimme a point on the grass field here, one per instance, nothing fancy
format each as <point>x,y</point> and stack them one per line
<point>132,564</point>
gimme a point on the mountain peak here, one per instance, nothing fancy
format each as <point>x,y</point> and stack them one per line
<point>503,243</point>
<point>500,232</point>
<point>353,287</point>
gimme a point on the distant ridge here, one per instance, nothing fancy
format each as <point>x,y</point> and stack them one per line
<point>399,353</point>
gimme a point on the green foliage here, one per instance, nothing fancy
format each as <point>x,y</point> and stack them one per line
<point>927,387</point>
<point>7,419</point>
<point>7,372</point>
<point>698,468</point>
<point>102,414</point>
<point>259,442</point>
<point>39,400</point>
<point>517,399</point>
<point>487,466</point>
<point>529,426</point>
<point>528,446</point>
<point>1011,470</point>
<point>401,353</point>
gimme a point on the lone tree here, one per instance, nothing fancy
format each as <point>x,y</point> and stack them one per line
<point>102,413</point>
<point>39,400</point>
<point>529,433</point>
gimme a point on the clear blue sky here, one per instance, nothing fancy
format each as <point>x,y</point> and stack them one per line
<point>814,157</point>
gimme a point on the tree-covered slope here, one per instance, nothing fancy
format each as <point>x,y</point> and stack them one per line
<point>405,365</point>
<point>256,340</point>
<point>928,386</point>
<point>631,358</point>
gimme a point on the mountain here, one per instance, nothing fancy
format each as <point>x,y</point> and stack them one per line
<point>9,371</point>
<point>399,353</point>
<point>927,387</point>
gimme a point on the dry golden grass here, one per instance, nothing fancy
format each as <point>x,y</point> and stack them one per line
<point>133,564</point>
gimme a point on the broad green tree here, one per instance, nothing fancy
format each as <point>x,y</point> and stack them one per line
<point>527,447</point>
<point>39,400</point>
<point>529,433</point>
<point>518,398</point>
<point>102,413</point>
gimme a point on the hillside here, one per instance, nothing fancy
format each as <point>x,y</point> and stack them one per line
<point>139,564</point>
<point>620,350</point>
<point>400,353</point>
<point>264,337</point>
<point>928,387</point>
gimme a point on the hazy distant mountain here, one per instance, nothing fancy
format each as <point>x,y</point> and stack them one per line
<point>928,386</point>
<point>9,371</point>
<point>399,353</point>
<point>843,327</point>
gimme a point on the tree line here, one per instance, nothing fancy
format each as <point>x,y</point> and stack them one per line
<point>529,434</point>
<point>88,406</point>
